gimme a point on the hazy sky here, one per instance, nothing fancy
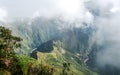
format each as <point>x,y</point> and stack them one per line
<point>70,9</point>
<point>20,8</point>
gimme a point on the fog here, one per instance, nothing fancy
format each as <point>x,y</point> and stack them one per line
<point>102,14</point>
<point>108,32</point>
<point>67,10</point>
<point>3,14</point>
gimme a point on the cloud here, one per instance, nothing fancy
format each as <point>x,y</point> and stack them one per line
<point>72,11</point>
<point>114,9</point>
<point>36,14</point>
<point>67,10</point>
<point>3,14</point>
<point>107,22</point>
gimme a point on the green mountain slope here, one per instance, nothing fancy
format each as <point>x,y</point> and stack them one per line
<point>57,58</point>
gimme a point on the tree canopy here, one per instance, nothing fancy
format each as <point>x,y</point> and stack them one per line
<point>8,43</point>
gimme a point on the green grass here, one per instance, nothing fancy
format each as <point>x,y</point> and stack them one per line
<point>56,59</point>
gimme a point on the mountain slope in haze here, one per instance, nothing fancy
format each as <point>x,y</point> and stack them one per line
<point>71,42</point>
<point>35,31</point>
<point>74,40</point>
<point>70,47</point>
<point>53,37</point>
<point>62,41</point>
<point>93,64</point>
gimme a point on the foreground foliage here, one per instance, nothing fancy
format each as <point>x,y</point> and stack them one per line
<point>13,64</point>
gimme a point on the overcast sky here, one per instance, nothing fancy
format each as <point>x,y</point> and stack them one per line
<point>22,8</point>
<point>31,8</point>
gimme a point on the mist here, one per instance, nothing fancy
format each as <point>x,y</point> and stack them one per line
<point>3,14</point>
<point>108,33</point>
<point>67,10</point>
<point>102,14</point>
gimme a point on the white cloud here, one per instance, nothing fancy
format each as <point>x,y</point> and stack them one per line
<point>114,9</point>
<point>107,23</point>
<point>3,14</point>
<point>36,14</point>
<point>67,10</point>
